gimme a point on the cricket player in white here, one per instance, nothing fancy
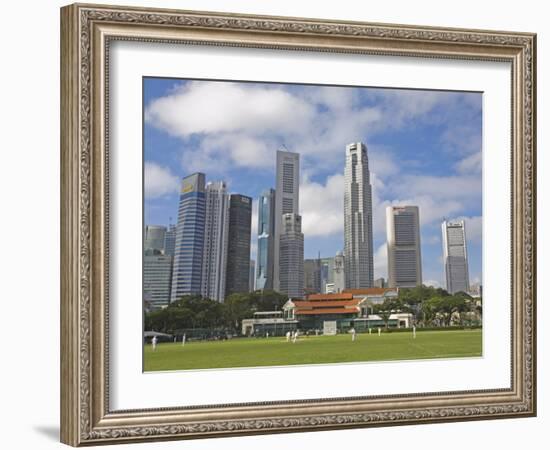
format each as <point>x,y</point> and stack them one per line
<point>154,343</point>
<point>183,340</point>
<point>352,334</point>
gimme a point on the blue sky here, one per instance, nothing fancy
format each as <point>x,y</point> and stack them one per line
<point>424,149</point>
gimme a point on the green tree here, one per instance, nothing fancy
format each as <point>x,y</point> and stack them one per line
<point>430,308</point>
<point>385,310</point>
<point>268,300</point>
<point>419,294</point>
<point>194,311</point>
<point>241,306</point>
<point>235,308</point>
<point>451,305</point>
<point>156,320</point>
<point>478,306</point>
<point>190,311</point>
<point>419,300</point>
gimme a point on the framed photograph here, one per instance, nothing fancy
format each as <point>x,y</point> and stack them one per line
<point>276,224</point>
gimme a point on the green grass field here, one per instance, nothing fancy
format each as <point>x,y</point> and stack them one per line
<point>275,351</point>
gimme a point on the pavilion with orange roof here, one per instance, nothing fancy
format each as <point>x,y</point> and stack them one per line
<point>342,311</point>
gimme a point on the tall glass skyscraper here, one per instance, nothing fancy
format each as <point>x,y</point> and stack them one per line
<point>286,202</point>
<point>266,240</point>
<point>455,256</point>
<point>403,241</point>
<point>238,250</point>
<point>187,271</point>
<point>291,268</point>
<point>216,227</point>
<point>358,244</point>
<point>312,276</point>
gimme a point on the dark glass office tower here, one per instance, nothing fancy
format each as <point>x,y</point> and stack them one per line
<point>266,240</point>
<point>238,249</point>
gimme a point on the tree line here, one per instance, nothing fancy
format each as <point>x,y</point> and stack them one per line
<point>429,306</point>
<point>432,307</point>
<point>194,311</point>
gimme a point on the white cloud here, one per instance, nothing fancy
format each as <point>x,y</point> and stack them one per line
<point>381,163</point>
<point>212,107</point>
<point>330,97</point>
<point>433,283</point>
<point>238,149</point>
<point>404,105</point>
<point>438,187</point>
<point>196,160</point>
<point>380,260</point>
<point>434,239</point>
<point>322,206</point>
<point>462,139</point>
<point>475,280</point>
<point>159,181</point>
<point>471,164</point>
<point>242,124</point>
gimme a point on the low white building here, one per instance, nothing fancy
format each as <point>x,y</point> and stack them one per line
<point>265,322</point>
<point>396,320</point>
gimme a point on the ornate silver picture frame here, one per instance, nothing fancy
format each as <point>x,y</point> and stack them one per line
<point>87,34</point>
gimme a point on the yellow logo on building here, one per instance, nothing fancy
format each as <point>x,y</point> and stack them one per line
<point>186,188</point>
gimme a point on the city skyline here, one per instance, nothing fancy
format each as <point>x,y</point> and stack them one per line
<point>444,184</point>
